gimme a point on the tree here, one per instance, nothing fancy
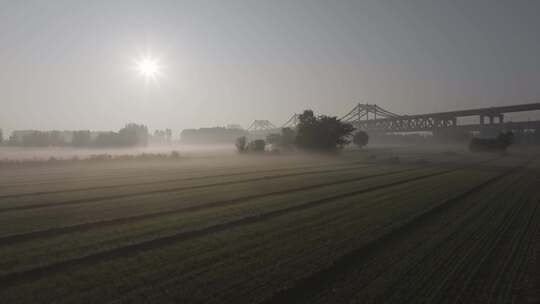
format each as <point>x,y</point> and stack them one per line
<point>241,143</point>
<point>159,137</point>
<point>36,139</point>
<point>168,135</point>
<point>284,140</point>
<point>273,139</point>
<point>322,133</point>
<point>133,135</point>
<point>287,138</point>
<point>257,145</point>
<point>56,139</point>
<point>500,143</point>
<point>107,139</point>
<point>81,138</point>
<point>505,139</point>
<point>360,138</point>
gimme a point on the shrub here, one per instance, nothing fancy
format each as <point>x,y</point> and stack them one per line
<point>322,133</point>
<point>257,145</point>
<point>241,144</point>
<point>288,136</point>
<point>284,140</point>
<point>273,139</point>
<point>498,144</point>
<point>360,139</point>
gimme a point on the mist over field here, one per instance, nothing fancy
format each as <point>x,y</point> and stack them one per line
<point>22,154</point>
<point>302,151</point>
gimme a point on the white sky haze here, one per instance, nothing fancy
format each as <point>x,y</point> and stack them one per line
<point>69,64</point>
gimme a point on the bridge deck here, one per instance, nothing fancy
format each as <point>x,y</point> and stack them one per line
<point>443,120</point>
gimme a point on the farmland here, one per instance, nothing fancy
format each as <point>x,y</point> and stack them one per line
<point>382,226</point>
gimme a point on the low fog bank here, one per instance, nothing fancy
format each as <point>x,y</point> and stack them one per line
<point>64,153</point>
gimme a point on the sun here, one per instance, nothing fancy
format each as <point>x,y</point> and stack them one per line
<point>148,67</point>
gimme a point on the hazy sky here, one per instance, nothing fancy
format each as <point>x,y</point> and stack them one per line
<point>69,64</point>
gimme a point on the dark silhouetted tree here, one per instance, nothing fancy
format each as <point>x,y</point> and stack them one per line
<point>159,137</point>
<point>107,139</point>
<point>216,135</point>
<point>287,138</point>
<point>284,140</point>
<point>322,133</point>
<point>133,135</point>
<point>241,144</point>
<point>257,145</point>
<point>81,138</point>
<point>168,135</point>
<point>36,139</point>
<point>273,139</point>
<point>500,143</point>
<point>360,138</point>
<point>162,136</point>
<point>56,139</point>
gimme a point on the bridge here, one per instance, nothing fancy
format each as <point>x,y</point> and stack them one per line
<point>261,125</point>
<point>372,118</point>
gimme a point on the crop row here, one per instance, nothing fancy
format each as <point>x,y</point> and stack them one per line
<point>403,267</point>
<point>284,234</point>
<point>72,212</point>
<point>80,180</point>
<point>178,222</point>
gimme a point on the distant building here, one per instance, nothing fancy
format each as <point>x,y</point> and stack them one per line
<point>216,135</point>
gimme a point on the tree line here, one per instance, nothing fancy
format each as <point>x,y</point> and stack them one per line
<point>215,135</point>
<point>313,133</point>
<point>130,136</point>
<point>499,143</point>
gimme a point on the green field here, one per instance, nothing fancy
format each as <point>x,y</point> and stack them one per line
<point>381,226</point>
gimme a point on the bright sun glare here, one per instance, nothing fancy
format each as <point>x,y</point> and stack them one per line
<point>148,67</point>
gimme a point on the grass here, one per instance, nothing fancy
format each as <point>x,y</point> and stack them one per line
<point>276,229</point>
